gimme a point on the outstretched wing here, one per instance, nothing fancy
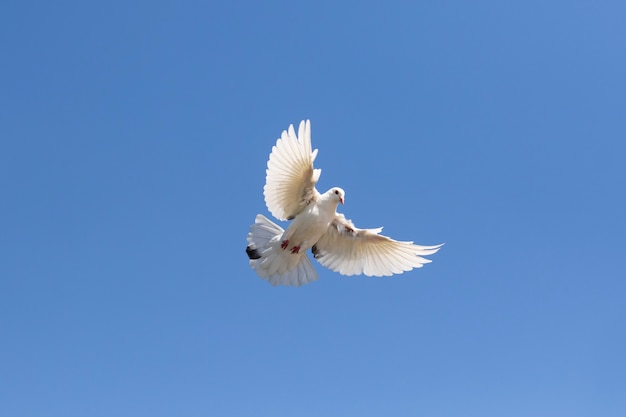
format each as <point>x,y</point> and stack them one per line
<point>291,178</point>
<point>352,251</point>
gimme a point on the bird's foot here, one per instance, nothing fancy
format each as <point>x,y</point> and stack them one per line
<point>284,244</point>
<point>295,249</point>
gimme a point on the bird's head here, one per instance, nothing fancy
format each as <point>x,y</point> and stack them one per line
<point>337,194</point>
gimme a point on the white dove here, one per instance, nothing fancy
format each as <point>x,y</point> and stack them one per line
<point>279,256</point>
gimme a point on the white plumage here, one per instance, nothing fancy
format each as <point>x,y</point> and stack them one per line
<point>279,256</point>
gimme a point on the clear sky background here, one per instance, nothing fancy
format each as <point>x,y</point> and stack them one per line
<point>134,138</point>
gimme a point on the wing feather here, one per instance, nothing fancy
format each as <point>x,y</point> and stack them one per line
<point>290,177</point>
<point>349,250</point>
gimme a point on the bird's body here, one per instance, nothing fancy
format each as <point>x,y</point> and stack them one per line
<point>307,227</point>
<point>279,256</point>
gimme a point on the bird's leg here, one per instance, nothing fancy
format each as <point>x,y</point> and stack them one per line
<point>295,249</point>
<point>284,244</point>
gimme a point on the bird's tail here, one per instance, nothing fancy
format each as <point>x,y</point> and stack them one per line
<point>273,263</point>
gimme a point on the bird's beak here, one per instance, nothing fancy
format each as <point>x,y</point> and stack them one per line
<point>341,200</point>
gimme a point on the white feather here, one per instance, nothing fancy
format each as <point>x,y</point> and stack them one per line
<point>290,177</point>
<point>274,264</point>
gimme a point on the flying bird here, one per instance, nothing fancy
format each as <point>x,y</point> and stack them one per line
<point>279,256</point>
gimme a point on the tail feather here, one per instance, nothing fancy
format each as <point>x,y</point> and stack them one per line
<point>270,261</point>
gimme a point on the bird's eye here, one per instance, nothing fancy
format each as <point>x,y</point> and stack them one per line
<point>336,191</point>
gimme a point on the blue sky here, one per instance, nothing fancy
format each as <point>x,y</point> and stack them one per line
<point>133,143</point>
